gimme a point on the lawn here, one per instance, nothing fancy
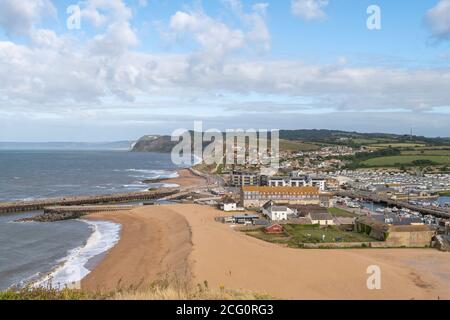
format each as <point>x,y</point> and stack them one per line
<point>445,193</point>
<point>404,160</point>
<point>337,212</point>
<point>428,152</point>
<point>313,234</point>
<point>296,234</point>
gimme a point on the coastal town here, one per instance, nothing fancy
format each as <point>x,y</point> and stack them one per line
<point>227,150</point>
<point>316,205</point>
<point>304,204</point>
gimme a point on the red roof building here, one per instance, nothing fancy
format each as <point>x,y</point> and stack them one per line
<point>275,228</point>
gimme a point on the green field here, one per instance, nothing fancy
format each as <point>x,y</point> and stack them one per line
<point>398,145</point>
<point>445,193</point>
<point>337,212</point>
<point>367,141</point>
<point>295,145</point>
<point>405,160</point>
<point>297,234</point>
<point>313,234</point>
<point>427,152</point>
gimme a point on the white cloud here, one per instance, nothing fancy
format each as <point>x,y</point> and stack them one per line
<point>47,38</point>
<point>216,38</point>
<point>18,17</point>
<point>119,35</point>
<point>45,76</point>
<point>213,36</point>
<point>100,12</point>
<point>309,9</point>
<point>438,19</point>
<point>254,22</point>
<point>55,72</point>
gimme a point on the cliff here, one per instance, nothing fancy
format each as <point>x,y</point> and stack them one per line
<point>154,144</point>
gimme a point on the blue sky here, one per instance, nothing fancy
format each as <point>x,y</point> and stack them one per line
<point>151,66</point>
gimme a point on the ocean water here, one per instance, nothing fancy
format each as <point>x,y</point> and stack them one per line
<point>31,250</point>
<point>26,175</point>
<point>61,253</point>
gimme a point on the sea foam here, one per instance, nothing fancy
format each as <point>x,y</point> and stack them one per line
<point>72,269</point>
<point>153,174</point>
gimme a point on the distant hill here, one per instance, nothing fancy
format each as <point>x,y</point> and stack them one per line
<point>163,143</point>
<point>154,143</point>
<point>117,145</point>
<point>337,135</point>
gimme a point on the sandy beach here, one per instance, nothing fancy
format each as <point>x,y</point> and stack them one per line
<point>184,241</point>
<point>153,244</point>
<point>185,179</point>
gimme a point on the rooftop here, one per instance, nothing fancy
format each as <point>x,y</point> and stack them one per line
<point>246,216</point>
<point>410,228</point>
<point>279,208</point>
<point>228,200</point>
<point>291,190</point>
<point>320,216</point>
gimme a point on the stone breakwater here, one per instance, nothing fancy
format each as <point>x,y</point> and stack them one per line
<point>24,206</point>
<point>67,213</point>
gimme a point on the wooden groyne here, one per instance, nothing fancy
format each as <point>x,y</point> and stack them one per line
<point>24,206</point>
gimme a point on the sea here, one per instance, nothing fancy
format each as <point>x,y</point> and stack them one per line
<point>61,253</point>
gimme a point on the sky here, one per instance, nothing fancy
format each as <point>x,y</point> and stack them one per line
<point>106,70</point>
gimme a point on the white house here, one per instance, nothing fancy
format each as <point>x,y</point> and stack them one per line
<point>277,213</point>
<point>228,205</point>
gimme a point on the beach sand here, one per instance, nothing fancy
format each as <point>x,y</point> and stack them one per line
<point>153,244</point>
<point>185,240</point>
<point>185,179</point>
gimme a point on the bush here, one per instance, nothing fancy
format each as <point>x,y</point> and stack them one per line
<point>423,162</point>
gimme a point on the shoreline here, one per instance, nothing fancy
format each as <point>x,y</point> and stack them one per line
<point>151,249</point>
<point>153,246</point>
<point>185,179</point>
<point>68,271</point>
<point>78,262</point>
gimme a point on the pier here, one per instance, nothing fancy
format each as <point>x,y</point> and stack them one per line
<point>25,206</point>
<point>438,212</point>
